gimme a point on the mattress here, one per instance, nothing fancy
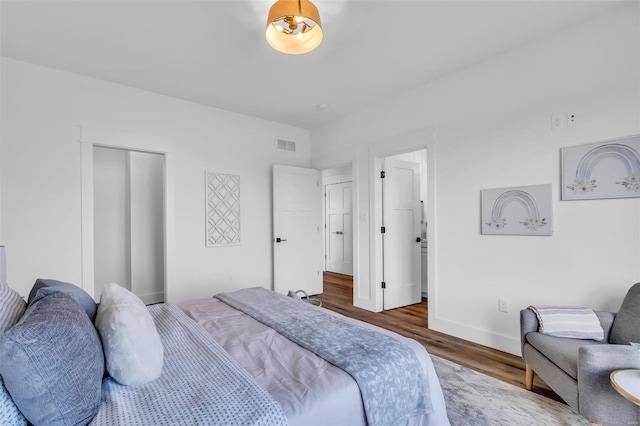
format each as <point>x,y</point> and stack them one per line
<point>310,390</point>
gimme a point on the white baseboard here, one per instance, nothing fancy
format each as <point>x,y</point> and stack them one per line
<point>476,335</point>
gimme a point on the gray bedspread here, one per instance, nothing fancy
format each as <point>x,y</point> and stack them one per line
<point>392,383</point>
<point>200,384</point>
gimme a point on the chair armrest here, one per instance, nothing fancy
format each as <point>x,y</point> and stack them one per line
<point>528,324</point>
<point>597,400</point>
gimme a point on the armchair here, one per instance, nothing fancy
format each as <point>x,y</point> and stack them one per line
<point>578,370</point>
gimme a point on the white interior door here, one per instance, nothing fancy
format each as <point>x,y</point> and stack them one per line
<point>401,212</point>
<point>297,238</point>
<point>338,234</point>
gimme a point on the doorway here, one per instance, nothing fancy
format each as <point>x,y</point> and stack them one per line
<point>338,220</point>
<point>128,221</point>
<point>404,226</point>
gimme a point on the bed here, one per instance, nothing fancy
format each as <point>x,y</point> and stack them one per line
<point>224,366</point>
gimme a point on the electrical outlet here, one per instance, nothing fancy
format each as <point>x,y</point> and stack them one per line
<point>503,305</point>
<point>571,119</point>
<point>556,122</point>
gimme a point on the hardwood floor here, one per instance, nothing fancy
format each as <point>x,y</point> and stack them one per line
<point>411,321</point>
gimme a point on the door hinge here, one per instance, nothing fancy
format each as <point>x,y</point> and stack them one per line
<point>381,174</point>
<point>383,229</point>
<point>384,285</point>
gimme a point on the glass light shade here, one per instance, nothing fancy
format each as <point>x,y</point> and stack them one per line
<point>293,27</point>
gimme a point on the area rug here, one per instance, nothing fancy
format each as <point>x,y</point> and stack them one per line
<point>475,399</point>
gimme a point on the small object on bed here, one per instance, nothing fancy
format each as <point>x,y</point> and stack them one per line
<point>304,297</point>
<point>132,347</point>
<point>568,321</point>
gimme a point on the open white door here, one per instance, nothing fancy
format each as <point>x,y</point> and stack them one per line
<point>401,212</point>
<point>338,233</point>
<point>297,238</point>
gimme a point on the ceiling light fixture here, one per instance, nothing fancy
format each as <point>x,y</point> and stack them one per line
<point>293,27</point>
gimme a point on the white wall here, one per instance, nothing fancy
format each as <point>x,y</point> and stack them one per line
<point>488,126</point>
<point>41,175</point>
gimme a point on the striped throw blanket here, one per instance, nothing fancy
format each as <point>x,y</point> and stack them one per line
<point>568,321</point>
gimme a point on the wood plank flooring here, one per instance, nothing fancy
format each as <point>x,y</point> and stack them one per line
<point>411,321</point>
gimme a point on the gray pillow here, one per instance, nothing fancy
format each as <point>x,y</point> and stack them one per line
<point>52,362</point>
<point>626,325</point>
<point>78,294</point>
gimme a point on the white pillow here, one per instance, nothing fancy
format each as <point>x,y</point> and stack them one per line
<point>132,346</point>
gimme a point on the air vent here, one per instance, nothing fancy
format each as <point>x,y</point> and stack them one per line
<point>286,145</point>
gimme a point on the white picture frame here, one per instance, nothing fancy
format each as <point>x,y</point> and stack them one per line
<point>222,216</point>
<point>518,210</point>
<point>606,169</point>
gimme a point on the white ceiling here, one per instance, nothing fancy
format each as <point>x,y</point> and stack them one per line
<point>214,52</point>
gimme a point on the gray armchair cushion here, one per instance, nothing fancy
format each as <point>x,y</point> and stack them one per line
<point>626,325</point>
<point>562,351</point>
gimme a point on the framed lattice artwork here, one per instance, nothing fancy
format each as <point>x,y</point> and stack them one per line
<point>607,169</point>
<point>222,209</point>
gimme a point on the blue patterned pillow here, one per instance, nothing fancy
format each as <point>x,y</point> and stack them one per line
<point>9,413</point>
<point>52,361</point>
<point>78,294</point>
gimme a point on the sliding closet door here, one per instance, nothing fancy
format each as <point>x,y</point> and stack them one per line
<point>110,218</point>
<point>146,186</point>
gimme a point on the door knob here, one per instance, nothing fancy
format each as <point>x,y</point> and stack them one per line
<point>418,239</point>
<point>338,232</point>
<point>280,240</point>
